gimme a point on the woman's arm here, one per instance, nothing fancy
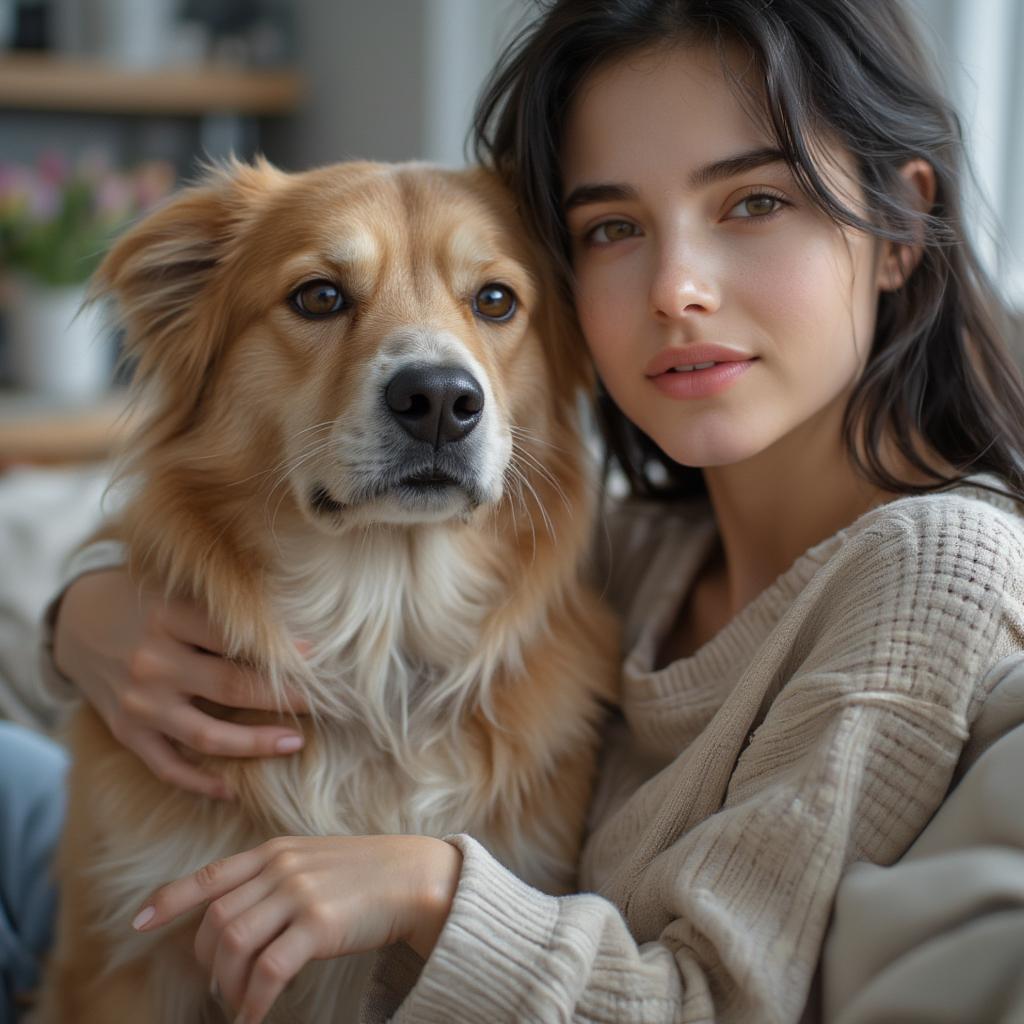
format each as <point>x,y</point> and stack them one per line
<point>142,662</point>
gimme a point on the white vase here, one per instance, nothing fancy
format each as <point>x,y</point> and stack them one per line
<point>132,33</point>
<point>56,347</point>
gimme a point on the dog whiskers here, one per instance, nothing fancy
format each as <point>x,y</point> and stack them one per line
<point>518,479</point>
<point>286,468</point>
<point>540,506</point>
<point>532,462</point>
<point>529,435</point>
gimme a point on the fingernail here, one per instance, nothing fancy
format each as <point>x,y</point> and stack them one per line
<point>214,988</point>
<point>143,917</point>
<point>288,744</point>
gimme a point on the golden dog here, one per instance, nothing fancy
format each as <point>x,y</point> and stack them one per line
<point>360,399</point>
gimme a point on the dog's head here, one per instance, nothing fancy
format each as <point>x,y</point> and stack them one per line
<point>360,344</point>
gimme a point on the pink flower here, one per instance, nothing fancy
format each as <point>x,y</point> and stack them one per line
<point>52,167</point>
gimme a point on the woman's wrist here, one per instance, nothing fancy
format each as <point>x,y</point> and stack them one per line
<point>441,879</point>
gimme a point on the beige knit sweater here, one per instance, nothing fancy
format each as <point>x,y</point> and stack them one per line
<point>820,727</point>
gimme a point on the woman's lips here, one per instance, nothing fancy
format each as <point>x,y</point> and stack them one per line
<point>693,355</point>
<point>700,383</point>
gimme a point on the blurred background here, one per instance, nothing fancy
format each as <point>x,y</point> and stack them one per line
<point>106,105</point>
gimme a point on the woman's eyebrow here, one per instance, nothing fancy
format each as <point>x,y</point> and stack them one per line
<point>582,195</point>
<point>733,165</point>
<point>708,174</point>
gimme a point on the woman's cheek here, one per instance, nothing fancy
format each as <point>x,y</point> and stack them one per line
<point>596,316</point>
<point>606,297</point>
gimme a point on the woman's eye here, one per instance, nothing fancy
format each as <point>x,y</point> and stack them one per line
<point>761,204</point>
<point>495,302</point>
<point>612,231</point>
<point>318,299</point>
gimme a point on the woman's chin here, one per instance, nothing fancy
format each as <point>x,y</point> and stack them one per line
<point>710,455</point>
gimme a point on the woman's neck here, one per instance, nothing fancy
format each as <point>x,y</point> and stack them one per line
<point>773,507</point>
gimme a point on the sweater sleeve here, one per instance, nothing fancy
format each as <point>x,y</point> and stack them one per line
<point>719,915</point>
<point>511,953</point>
<point>104,554</point>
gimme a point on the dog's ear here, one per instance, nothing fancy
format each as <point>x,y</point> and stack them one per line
<point>163,276</point>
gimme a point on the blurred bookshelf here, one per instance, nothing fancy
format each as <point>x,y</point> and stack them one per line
<point>43,82</point>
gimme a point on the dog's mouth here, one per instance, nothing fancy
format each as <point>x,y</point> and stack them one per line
<point>322,503</point>
<point>428,482</point>
<point>426,489</point>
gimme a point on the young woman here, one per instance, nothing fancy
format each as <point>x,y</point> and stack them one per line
<point>756,208</point>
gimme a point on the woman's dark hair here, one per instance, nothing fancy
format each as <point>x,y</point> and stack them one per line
<point>938,368</point>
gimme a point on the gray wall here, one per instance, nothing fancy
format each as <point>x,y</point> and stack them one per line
<point>392,80</point>
<point>978,46</point>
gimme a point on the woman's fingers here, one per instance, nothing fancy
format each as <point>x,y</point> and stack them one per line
<point>223,911</point>
<point>187,623</point>
<point>273,969</point>
<point>215,676</point>
<point>242,938</point>
<point>241,943</point>
<point>210,882</point>
<point>156,752</point>
<point>160,700</point>
<point>208,735</point>
<point>226,682</point>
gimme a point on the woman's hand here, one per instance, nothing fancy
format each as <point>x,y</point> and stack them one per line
<point>295,899</point>
<point>142,661</point>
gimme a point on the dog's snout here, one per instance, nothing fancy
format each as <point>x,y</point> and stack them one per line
<point>436,404</point>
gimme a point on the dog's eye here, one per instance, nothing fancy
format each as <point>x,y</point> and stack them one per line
<point>495,302</point>
<point>317,299</point>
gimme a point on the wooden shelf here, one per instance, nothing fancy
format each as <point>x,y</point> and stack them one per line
<point>35,429</point>
<point>40,82</point>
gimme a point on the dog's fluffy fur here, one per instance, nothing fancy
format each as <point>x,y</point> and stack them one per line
<point>456,664</point>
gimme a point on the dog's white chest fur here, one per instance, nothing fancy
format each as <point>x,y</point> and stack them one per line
<point>398,649</point>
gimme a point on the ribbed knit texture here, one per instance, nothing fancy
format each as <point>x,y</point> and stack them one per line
<point>819,727</point>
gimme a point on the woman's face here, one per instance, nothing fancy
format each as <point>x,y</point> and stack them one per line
<point>680,242</point>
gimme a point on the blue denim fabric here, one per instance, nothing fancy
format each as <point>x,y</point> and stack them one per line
<point>32,770</point>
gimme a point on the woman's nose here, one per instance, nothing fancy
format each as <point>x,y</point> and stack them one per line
<point>683,284</point>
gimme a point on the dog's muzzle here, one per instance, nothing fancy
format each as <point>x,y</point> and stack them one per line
<point>428,459</point>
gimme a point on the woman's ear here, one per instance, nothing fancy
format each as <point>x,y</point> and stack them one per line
<point>897,262</point>
<point>162,275</point>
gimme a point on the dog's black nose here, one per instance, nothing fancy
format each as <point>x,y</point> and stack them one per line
<point>436,404</point>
